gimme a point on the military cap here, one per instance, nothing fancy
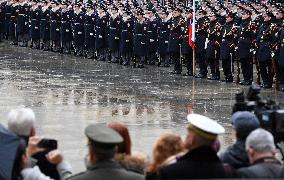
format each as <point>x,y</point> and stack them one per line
<point>102,136</point>
<point>269,14</point>
<point>178,9</point>
<point>140,12</point>
<point>114,8</point>
<point>164,11</point>
<point>204,126</point>
<point>247,12</point>
<point>230,14</point>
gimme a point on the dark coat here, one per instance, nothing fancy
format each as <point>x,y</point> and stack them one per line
<point>66,26</point>
<point>107,170</point>
<point>228,40</point>
<point>175,35</point>
<point>90,30</point>
<point>201,34</point>
<point>185,48</point>
<point>101,32</point>
<point>126,41</point>
<point>114,32</point>
<point>152,35</point>
<point>78,30</point>
<point>236,155</point>
<point>55,18</point>
<point>35,23</point>
<point>23,19</point>
<point>45,25</point>
<point>263,168</point>
<point>164,32</point>
<point>199,163</point>
<point>246,38</point>
<point>140,39</point>
<point>214,37</point>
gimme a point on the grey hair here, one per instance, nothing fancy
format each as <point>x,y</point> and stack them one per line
<point>21,121</point>
<point>261,141</point>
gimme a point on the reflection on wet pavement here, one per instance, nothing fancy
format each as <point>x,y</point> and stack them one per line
<point>68,93</point>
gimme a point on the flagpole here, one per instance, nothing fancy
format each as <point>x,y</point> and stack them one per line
<point>193,39</point>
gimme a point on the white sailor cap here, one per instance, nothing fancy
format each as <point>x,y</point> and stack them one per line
<point>204,126</point>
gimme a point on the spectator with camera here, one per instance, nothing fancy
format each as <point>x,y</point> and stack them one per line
<point>243,122</point>
<point>261,151</point>
<point>21,121</point>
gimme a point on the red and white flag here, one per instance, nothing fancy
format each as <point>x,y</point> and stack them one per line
<point>191,27</point>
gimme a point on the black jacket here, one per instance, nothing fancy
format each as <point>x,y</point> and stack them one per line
<point>236,155</point>
<point>263,168</point>
<point>199,163</point>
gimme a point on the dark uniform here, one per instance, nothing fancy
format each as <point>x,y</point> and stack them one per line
<point>281,57</point>
<point>35,27</point>
<point>55,18</point>
<point>66,30</point>
<point>140,41</point>
<point>227,49</point>
<point>101,37</point>
<point>13,24</point>
<point>114,36</point>
<point>175,42</point>
<point>78,32</point>
<point>201,34</point>
<point>163,34</point>
<point>2,20</point>
<point>213,48</point>
<point>126,41</point>
<point>246,40</point>
<point>152,39</point>
<point>265,41</point>
<point>7,10</point>
<point>186,49</point>
<point>23,24</point>
<point>45,28</point>
<point>90,19</point>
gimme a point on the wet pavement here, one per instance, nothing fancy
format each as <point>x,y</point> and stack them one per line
<point>68,93</point>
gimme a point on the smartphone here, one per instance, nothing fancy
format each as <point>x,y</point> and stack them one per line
<point>49,144</point>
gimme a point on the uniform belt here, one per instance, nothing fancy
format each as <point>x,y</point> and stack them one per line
<point>21,14</point>
<point>124,30</point>
<point>88,24</point>
<point>53,20</point>
<point>43,19</point>
<point>77,23</point>
<point>112,28</point>
<point>149,31</point>
<point>139,34</point>
<point>34,19</point>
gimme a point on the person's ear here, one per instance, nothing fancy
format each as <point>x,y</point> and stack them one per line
<point>33,132</point>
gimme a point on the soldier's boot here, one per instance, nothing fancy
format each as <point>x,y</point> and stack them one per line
<point>229,78</point>
<point>37,44</point>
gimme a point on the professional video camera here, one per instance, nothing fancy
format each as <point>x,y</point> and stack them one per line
<point>270,115</point>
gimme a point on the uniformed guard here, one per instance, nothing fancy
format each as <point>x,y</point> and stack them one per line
<point>90,19</point>
<point>23,23</point>
<point>78,30</point>
<point>2,20</point>
<point>281,57</point>
<point>213,46</point>
<point>163,34</point>
<point>35,25</point>
<point>201,34</point>
<point>55,18</point>
<point>126,41</point>
<point>13,23</point>
<point>152,36</point>
<point>45,26</point>
<point>67,15</point>
<point>101,33</point>
<point>140,39</point>
<point>245,47</point>
<point>227,49</point>
<point>265,40</point>
<point>114,35</point>
<point>186,48</point>
<point>175,40</point>
<point>7,10</point>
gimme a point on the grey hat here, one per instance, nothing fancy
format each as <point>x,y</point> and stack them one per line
<point>244,122</point>
<point>102,136</point>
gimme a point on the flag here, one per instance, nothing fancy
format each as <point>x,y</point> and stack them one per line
<point>191,27</point>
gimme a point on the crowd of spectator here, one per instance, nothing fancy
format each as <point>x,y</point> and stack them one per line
<point>253,155</point>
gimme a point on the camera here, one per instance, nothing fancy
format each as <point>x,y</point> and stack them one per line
<point>269,113</point>
<point>49,144</point>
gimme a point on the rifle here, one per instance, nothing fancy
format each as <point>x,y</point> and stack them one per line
<point>276,73</point>
<point>257,69</point>
<point>238,67</point>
